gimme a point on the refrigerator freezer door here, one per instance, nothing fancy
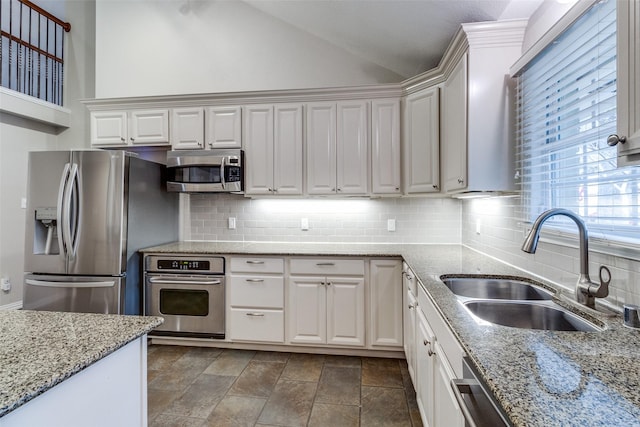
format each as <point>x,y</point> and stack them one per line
<point>80,294</point>
<point>98,215</point>
<point>47,179</point>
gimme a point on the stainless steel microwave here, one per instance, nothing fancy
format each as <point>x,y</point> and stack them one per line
<point>205,171</point>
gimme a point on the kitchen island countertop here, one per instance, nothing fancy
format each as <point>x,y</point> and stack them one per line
<point>540,378</point>
<point>41,349</point>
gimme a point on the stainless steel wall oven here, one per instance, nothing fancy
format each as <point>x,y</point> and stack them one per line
<point>188,292</point>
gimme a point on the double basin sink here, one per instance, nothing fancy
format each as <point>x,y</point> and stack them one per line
<point>515,303</point>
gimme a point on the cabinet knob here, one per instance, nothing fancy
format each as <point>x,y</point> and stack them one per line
<point>614,139</point>
<point>397,188</point>
<point>426,342</point>
<point>132,139</point>
<point>339,189</point>
<point>435,186</point>
<point>328,283</point>
<point>430,352</point>
<point>411,306</point>
<point>460,180</point>
<point>122,139</point>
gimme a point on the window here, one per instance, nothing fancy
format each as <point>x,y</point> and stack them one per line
<point>566,109</point>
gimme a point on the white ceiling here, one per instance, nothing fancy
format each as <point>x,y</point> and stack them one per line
<point>404,36</point>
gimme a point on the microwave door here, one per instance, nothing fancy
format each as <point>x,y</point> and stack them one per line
<point>48,177</point>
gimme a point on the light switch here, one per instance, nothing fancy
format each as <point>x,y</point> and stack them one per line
<point>232,223</point>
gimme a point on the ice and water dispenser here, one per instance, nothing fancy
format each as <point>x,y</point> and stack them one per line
<point>45,238</point>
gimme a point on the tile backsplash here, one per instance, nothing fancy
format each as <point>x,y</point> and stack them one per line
<point>417,220</point>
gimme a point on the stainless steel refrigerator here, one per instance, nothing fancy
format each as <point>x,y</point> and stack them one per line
<point>88,213</point>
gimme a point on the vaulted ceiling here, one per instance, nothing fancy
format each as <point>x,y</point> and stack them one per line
<point>404,36</point>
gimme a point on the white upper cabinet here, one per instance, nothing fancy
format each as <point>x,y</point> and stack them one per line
<point>287,149</point>
<point>273,149</point>
<point>454,129</point>
<point>187,128</point>
<point>352,148</point>
<point>628,91</point>
<point>126,128</point>
<point>258,132</point>
<point>321,148</point>
<point>385,146</point>
<point>477,135</point>
<point>337,148</point>
<point>421,143</point>
<point>224,127</point>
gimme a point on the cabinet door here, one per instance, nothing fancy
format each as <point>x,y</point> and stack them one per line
<point>345,311</point>
<point>425,358</point>
<point>287,150</point>
<point>307,310</point>
<point>385,146</point>
<point>409,331</point>
<point>187,128</point>
<point>422,142</point>
<point>109,128</point>
<point>149,127</point>
<point>628,91</point>
<point>385,307</point>
<point>321,148</point>
<point>352,151</point>
<point>446,411</point>
<point>454,129</point>
<point>258,132</point>
<point>224,127</point>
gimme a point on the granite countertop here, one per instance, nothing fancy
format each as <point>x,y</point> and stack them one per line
<point>40,349</point>
<point>540,378</point>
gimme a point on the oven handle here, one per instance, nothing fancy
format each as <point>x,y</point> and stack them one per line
<point>461,387</point>
<point>185,282</point>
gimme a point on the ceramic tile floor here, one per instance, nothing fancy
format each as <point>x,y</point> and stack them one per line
<point>201,387</point>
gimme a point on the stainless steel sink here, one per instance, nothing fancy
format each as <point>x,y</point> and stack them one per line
<point>503,289</point>
<point>529,315</point>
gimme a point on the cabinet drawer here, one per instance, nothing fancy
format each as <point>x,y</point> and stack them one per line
<point>257,265</point>
<point>324,266</point>
<point>256,291</point>
<point>256,325</point>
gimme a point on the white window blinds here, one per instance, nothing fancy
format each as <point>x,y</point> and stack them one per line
<point>566,109</point>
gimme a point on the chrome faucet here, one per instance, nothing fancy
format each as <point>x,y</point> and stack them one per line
<point>586,290</point>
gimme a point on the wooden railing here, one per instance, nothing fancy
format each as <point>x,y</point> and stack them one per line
<point>32,50</point>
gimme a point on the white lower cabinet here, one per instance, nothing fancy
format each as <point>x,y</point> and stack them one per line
<point>385,303</point>
<point>409,304</point>
<point>326,308</point>
<point>437,359</point>
<point>255,296</point>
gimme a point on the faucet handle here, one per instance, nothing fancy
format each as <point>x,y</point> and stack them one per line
<point>605,279</point>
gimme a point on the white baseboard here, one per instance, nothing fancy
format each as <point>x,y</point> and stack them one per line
<point>12,306</point>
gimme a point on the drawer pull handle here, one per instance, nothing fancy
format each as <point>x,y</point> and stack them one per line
<point>254,262</point>
<point>255,280</point>
<point>255,314</point>
<point>325,264</point>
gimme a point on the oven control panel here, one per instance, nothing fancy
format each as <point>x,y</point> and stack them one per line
<point>185,264</point>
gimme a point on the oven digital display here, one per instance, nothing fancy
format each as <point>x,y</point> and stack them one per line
<point>183,264</point>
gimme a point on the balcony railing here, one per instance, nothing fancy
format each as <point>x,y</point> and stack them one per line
<point>32,50</point>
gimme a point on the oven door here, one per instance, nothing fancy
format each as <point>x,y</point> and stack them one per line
<point>190,305</point>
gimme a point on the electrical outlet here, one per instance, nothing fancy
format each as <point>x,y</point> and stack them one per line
<point>391,225</point>
<point>304,224</point>
<point>5,284</point>
<point>232,223</point>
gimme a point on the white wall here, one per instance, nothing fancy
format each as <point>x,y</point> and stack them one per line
<point>418,220</point>
<point>160,47</point>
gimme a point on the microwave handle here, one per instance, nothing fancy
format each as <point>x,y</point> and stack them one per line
<point>224,184</point>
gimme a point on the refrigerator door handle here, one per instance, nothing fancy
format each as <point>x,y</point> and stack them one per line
<point>70,219</point>
<point>75,189</point>
<point>49,284</point>
<point>61,210</point>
